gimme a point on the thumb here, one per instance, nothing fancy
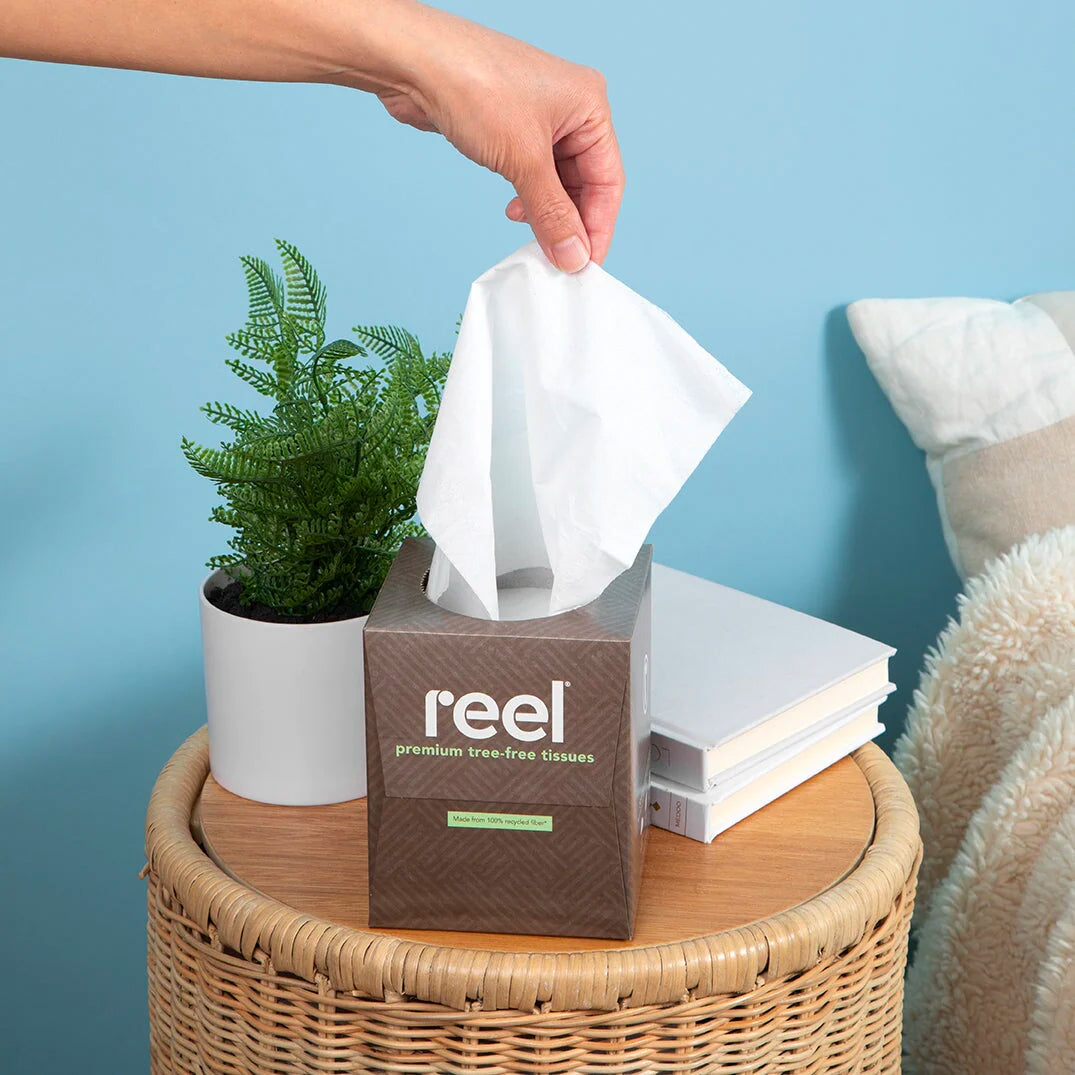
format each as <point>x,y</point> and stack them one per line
<point>552,214</point>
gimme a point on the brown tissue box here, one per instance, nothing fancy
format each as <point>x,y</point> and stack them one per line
<point>508,761</point>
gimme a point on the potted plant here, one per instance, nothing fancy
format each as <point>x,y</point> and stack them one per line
<point>320,492</point>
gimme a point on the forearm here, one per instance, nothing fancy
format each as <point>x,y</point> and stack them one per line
<point>369,44</point>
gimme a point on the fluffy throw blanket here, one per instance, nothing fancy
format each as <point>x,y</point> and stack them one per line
<point>989,753</point>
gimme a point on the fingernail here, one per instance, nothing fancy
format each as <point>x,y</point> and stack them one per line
<point>570,255</point>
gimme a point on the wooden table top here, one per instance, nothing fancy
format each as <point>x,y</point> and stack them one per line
<point>313,858</point>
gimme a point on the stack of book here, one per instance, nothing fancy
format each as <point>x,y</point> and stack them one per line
<point>748,700</point>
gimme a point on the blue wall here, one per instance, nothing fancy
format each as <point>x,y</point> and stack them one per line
<point>782,160</point>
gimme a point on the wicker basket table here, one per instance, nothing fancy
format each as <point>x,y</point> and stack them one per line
<point>778,949</point>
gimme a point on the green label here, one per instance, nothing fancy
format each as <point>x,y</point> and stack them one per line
<point>469,819</point>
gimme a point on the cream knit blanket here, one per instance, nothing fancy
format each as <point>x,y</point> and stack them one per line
<point>989,753</point>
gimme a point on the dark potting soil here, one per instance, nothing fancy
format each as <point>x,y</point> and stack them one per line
<point>228,599</point>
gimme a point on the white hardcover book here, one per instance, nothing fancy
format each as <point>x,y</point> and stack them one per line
<point>863,715</point>
<point>702,815</point>
<point>735,676</point>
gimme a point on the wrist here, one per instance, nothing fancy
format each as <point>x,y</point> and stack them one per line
<point>381,45</point>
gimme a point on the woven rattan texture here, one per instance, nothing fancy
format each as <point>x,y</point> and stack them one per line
<point>240,984</point>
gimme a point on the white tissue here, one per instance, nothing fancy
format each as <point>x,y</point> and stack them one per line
<point>574,411</point>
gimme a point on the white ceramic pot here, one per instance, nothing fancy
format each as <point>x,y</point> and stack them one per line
<point>286,706</point>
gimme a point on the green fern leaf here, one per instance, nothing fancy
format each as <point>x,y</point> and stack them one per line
<point>306,302</point>
<point>224,414</point>
<point>388,341</point>
<point>256,340</point>
<point>266,291</point>
<point>338,350</point>
<point>264,382</point>
<point>284,358</point>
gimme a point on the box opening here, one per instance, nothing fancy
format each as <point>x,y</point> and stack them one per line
<point>522,594</point>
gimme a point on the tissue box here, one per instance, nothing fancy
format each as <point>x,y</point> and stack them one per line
<point>508,761</point>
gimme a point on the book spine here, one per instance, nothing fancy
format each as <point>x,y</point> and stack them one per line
<point>679,813</point>
<point>681,762</point>
<point>668,810</point>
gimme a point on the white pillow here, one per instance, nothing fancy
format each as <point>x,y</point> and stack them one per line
<point>987,391</point>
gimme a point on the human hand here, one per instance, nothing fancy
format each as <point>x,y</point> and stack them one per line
<point>540,121</point>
